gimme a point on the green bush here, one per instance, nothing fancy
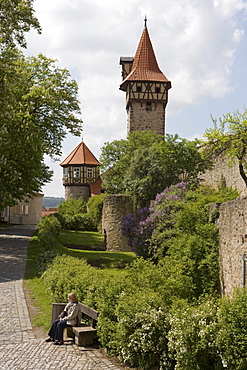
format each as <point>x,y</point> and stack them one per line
<point>50,224</point>
<point>95,206</point>
<point>44,259</point>
<point>232,338</point>
<point>106,295</point>
<point>78,221</point>
<point>86,223</point>
<point>67,274</point>
<point>61,219</point>
<point>192,336</point>
<point>72,207</point>
<point>193,258</point>
<point>48,230</point>
<point>142,329</point>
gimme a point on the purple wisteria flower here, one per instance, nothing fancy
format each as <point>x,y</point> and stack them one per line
<point>144,225</point>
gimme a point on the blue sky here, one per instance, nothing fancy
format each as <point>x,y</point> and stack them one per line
<point>200,45</point>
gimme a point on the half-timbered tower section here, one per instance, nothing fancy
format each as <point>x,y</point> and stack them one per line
<point>146,88</point>
<point>81,173</point>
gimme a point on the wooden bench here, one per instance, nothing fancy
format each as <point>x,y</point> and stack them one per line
<point>84,334</point>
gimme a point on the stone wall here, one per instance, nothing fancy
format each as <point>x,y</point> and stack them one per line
<point>114,208</point>
<point>232,224</point>
<point>140,119</point>
<point>230,175</point>
<point>77,191</point>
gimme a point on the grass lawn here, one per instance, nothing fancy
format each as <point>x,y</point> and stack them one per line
<point>90,246</point>
<point>36,287</point>
<point>74,239</point>
<point>90,239</point>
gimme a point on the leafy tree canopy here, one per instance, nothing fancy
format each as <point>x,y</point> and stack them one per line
<point>16,18</point>
<point>38,106</point>
<point>229,137</point>
<point>146,163</point>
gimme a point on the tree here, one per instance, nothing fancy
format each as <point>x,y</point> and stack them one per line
<point>229,137</point>
<point>16,18</point>
<point>146,163</point>
<point>38,106</point>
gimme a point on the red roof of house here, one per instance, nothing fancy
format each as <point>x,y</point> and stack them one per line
<point>145,66</point>
<point>80,155</point>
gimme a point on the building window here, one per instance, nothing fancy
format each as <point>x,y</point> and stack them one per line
<point>76,172</point>
<point>157,89</point>
<point>65,172</point>
<point>24,209</point>
<point>17,209</point>
<point>90,173</point>
<point>148,107</point>
<point>139,88</point>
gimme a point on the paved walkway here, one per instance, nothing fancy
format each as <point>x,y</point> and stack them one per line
<point>19,349</point>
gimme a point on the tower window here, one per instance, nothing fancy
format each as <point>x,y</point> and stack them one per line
<point>90,173</point>
<point>139,88</point>
<point>157,89</point>
<point>148,107</point>
<point>76,172</point>
<point>65,172</point>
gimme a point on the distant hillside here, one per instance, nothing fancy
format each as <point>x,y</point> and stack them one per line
<point>52,201</point>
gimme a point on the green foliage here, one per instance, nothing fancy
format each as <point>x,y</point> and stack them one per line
<point>142,330</point>
<point>45,258</point>
<point>78,221</point>
<point>50,224</point>
<point>187,238</point>
<point>73,212</point>
<point>72,207</point>
<point>47,236</point>
<point>192,336</point>
<point>95,206</point>
<point>145,163</point>
<point>38,106</point>
<point>17,18</point>
<point>228,136</point>
<point>68,274</point>
<point>232,338</point>
<point>48,230</point>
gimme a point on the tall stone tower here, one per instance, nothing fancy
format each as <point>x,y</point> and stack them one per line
<point>146,88</point>
<point>81,174</point>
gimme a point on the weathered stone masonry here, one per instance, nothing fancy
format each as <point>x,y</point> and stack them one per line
<point>114,208</point>
<point>232,224</point>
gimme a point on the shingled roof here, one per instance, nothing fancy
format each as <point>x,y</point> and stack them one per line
<point>80,155</point>
<point>145,66</point>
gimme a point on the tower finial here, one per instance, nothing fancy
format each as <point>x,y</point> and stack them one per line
<point>145,21</point>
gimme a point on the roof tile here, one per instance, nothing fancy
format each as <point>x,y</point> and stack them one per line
<point>145,66</point>
<point>80,155</point>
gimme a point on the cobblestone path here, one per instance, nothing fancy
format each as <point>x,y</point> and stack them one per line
<point>19,349</point>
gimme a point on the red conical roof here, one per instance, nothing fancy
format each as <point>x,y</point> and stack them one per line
<point>80,155</point>
<point>145,66</point>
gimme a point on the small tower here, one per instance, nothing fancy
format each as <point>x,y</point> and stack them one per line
<point>146,88</point>
<point>81,173</point>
